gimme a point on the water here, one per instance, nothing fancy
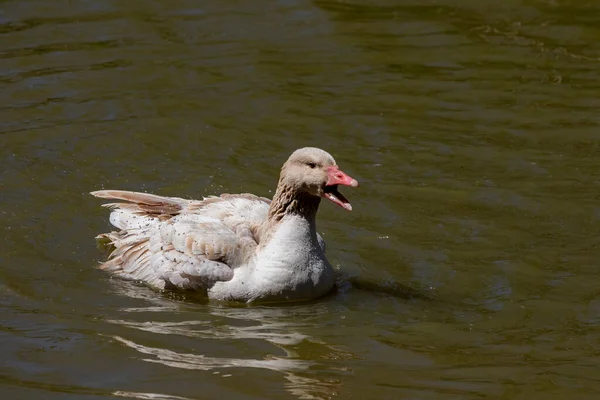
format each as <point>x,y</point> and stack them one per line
<point>468,268</point>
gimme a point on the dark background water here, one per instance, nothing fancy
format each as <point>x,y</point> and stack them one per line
<point>472,127</point>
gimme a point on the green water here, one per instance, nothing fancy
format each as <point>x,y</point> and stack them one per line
<point>468,268</point>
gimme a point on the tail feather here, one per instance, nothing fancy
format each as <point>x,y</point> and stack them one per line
<point>140,208</point>
<point>137,197</point>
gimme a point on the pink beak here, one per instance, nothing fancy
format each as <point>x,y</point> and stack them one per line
<point>339,177</point>
<point>335,177</point>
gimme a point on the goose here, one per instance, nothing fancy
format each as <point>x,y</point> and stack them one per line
<point>232,247</point>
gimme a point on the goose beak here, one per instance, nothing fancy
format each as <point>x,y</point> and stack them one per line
<point>336,177</point>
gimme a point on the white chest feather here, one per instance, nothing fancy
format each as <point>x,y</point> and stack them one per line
<point>292,265</point>
<point>293,262</point>
<point>293,247</point>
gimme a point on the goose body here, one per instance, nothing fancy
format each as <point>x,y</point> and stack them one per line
<point>240,247</point>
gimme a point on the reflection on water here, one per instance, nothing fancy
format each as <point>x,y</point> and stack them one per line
<point>148,396</point>
<point>277,327</point>
<point>265,331</point>
<point>198,361</point>
<point>300,386</point>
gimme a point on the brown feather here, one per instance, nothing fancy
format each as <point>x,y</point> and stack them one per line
<point>143,203</point>
<point>136,197</point>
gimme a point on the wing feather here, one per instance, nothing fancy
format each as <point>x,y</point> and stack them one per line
<point>173,242</point>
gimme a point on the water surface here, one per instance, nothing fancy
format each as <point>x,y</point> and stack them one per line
<point>468,268</point>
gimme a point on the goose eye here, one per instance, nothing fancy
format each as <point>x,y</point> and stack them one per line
<point>312,165</point>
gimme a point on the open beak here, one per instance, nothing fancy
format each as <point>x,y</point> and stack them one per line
<point>336,177</point>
